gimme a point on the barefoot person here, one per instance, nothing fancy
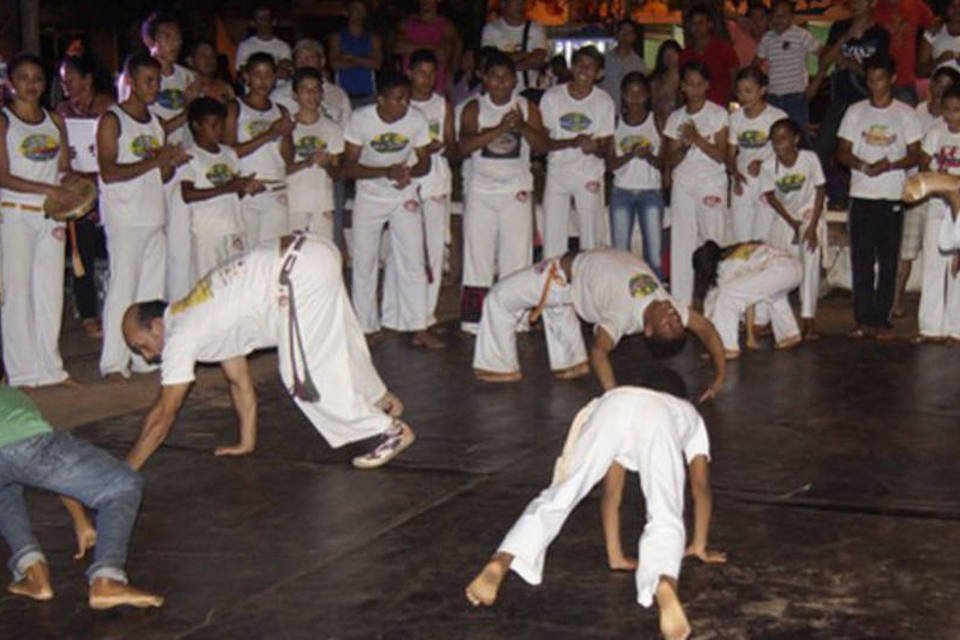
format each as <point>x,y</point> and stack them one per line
<point>34,455</point>
<point>285,293</point>
<point>651,433</point>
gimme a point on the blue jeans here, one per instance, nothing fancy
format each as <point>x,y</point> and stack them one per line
<point>60,463</point>
<point>645,206</point>
<point>797,108</point>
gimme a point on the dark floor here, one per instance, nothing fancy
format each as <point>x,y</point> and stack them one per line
<point>835,472</point>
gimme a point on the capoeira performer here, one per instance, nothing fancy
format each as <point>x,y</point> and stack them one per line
<point>285,293</point>
<point>498,131</point>
<point>749,147</point>
<point>34,161</point>
<point>317,147</point>
<point>646,431</point>
<point>580,120</point>
<point>614,290</point>
<point>730,280</point>
<point>134,163</point>
<point>34,455</point>
<point>387,146</point>
<point>696,151</point>
<point>259,130</point>
<point>794,185</point>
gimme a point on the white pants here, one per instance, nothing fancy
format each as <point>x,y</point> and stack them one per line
<point>316,222</point>
<point>939,314</point>
<point>32,260</point>
<point>781,236</point>
<point>697,212</point>
<point>617,427</point>
<point>265,216</point>
<point>750,215</point>
<point>137,268</point>
<point>505,308</point>
<point>406,254</point>
<point>210,250</point>
<point>321,340</point>
<point>587,195</point>
<point>768,287</point>
<point>180,270</point>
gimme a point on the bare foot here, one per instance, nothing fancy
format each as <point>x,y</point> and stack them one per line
<point>761,330</point>
<point>730,354</point>
<point>427,340</point>
<point>885,334</point>
<point>789,343</point>
<point>483,590</point>
<point>673,621</point>
<point>35,583</point>
<point>571,373</point>
<point>390,404</point>
<point>234,450</point>
<point>106,594</point>
<point>898,312</point>
<point>375,338</point>
<point>622,563</point>
<point>497,376</point>
<point>92,328</point>
<point>115,378</point>
<point>69,383</point>
<point>752,344</point>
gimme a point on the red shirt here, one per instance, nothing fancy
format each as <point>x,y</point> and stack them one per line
<point>903,18</point>
<point>721,60</point>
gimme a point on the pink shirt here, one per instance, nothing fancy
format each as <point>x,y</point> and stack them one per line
<point>428,35</point>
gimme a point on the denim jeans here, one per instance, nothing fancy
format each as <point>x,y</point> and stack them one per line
<point>797,108</point>
<point>645,206</point>
<point>60,463</point>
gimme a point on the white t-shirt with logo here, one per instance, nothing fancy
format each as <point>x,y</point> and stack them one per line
<point>611,289</point>
<point>140,201</point>
<point>944,149</point>
<point>509,39</point>
<point>266,162</point>
<point>503,165</point>
<point>795,187</point>
<point>276,47</point>
<point>566,118</point>
<point>219,215</point>
<point>752,135</point>
<point>311,189</point>
<point>696,166</point>
<point>33,153</point>
<point>877,134</point>
<point>438,181</point>
<point>384,144</point>
<point>637,173</point>
<point>335,103</point>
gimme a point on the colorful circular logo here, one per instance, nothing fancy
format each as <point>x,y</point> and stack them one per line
<point>307,146</point>
<point>40,147</point>
<point>629,143</point>
<point>219,174</point>
<point>171,99</point>
<point>256,127</point>
<point>389,142</point>
<point>575,122</point>
<point>144,145</point>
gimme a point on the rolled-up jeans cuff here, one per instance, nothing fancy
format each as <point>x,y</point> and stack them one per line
<point>107,572</point>
<point>23,559</point>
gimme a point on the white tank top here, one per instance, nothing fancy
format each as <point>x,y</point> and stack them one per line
<point>504,164</point>
<point>437,181</point>
<point>140,201</point>
<point>266,162</point>
<point>33,151</point>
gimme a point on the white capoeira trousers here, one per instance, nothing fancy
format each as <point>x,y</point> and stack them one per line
<point>265,216</point>
<point>505,308</point>
<point>770,286</point>
<point>750,215</point>
<point>406,254</point>
<point>619,427</point>
<point>180,269</point>
<point>137,266</point>
<point>697,215</point>
<point>321,339</point>
<point>318,223</point>
<point>587,196</point>
<point>939,313</point>
<point>33,253</point>
<point>781,236</point>
<point>210,250</point>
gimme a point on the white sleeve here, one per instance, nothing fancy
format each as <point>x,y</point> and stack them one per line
<point>178,361</point>
<point>816,171</point>
<point>768,181</point>
<point>731,131</point>
<point>671,128</point>
<point>608,117</point>
<point>548,113</point>
<point>421,135</point>
<point>335,143</point>
<point>353,133</point>
<point>928,36</point>
<point>931,143</point>
<point>762,47</point>
<point>810,44</point>
<point>538,37</point>
<point>698,443</point>
<point>848,126</point>
<point>912,129</point>
<point>242,55</point>
<point>285,52</point>
<point>188,172</point>
<point>487,37</point>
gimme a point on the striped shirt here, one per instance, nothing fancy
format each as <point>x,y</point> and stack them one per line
<point>787,54</point>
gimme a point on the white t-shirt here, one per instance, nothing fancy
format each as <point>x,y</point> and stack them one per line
<point>787,54</point>
<point>942,41</point>
<point>748,258</point>
<point>267,161</point>
<point>752,136</point>
<point>944,148</point>
<point>509,39</point>
<point>219,215</point>
<point>438,181</point>
<point>232,311</point>
<point>384,144</point>
<point>566,118</point>
<point>696,166</point>
<point>637,173</point>
<point>335,103</point>
<point>140,201</point>
<point>876,134</point>
<point>611,289</point>
<point>276,47</point>
<point>503,166</point>
<point>795,187</point>
<point>311,189</point>
<point>927,121</point>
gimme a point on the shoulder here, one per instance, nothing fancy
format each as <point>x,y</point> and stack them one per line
<point>775,113</point>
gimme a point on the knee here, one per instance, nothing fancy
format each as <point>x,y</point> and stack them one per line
<point>126,484</point>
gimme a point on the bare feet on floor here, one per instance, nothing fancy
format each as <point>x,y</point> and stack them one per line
<point>69,383</point>
<point>390,404</point>
<point>496,376</point>
<point>789,343</point>
<point>885,334</point>
<point>92,328</point>
<point>673,620</point>
<point>571,373</point>
<point>375,338</point>
<point>427,340</point>
<point>730,354</point>
<point>623,563</point>
<point>234,450</point>
<point>35,583</point>
<point>482,591</point>
<point>115,378</point>
<point>106,594</point>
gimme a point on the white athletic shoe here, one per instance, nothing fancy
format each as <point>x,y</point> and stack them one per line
<point>392,443</point>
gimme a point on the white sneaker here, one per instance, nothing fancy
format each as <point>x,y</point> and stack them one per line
<point>392,443</point>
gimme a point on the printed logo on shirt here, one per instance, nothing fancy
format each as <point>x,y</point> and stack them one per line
<point>172,99</point>
<point>201,292</point>
<point>506,145</point>
<point>879,135</point>
<point>308,146</point>
<point>642,285</point>
<point>39,147</point>
<point>947,158</point>
<point>752,139</point>
<point>575,122</point>
<point>791,182</point>
<point>144,145</point>
<point>219,174</point>
<point>256,127</point>
<point>629,143</point>
<point>434,130</point>
<point>743,252</point>
<point>389,142</point>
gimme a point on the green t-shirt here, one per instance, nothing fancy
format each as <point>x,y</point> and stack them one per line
<point>19,417</point>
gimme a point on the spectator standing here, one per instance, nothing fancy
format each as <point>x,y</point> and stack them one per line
<point>427,29</point>
<point>622,59</point>
<point>942,46</point>
<point>746,32</point>
<point>525,41</point>
<point>665,82</point>
<point>905,20</point>
<point>355,55</point>
<point>714,52</point>
<point>263,40</point>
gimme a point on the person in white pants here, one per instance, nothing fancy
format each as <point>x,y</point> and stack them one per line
<point>34,160</point>
<point>732,279</point>
<point>286,293</point>
<point>134,163</point>
<point>386,146</point>
<point>646,431</point>
<point>260,132</point>
<point>748,148</point>
<point>498,130</point>
<point>580,120</point>
<point>696,152</point>
<point>794,185</point>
